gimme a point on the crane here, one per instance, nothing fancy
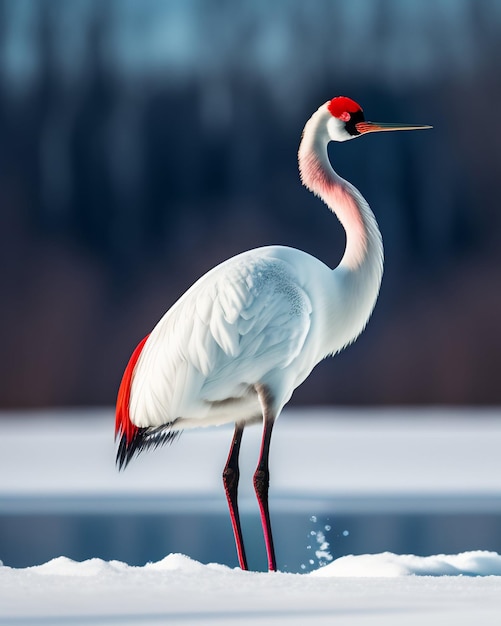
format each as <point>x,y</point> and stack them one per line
<point>234,347</point>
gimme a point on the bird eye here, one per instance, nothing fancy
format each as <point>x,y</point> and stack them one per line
<point>345,116</point>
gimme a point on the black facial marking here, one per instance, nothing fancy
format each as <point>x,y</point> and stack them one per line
<point>356,117</point>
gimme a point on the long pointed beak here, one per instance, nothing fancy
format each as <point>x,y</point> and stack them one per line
<point>377,127</point>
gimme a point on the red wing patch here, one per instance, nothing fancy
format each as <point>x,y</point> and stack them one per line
<point>123,424</point>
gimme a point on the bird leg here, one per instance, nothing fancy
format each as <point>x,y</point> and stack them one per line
<point>231,475</point>
<point>261,485</point>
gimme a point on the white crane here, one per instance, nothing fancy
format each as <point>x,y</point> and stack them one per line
<point>235,346</point>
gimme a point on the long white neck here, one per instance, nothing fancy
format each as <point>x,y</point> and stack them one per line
<point>362,262</point>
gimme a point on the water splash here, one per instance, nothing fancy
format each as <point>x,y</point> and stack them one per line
<point>319,545</point>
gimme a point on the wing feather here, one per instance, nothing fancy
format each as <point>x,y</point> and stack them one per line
<point>233,327</point>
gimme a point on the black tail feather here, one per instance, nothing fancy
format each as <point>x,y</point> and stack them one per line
<point>143,439</point>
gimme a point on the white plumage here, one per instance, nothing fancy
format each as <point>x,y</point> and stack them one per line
<point>244,336</point>
<point>237,326</point>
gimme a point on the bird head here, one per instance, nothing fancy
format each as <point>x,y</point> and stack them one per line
<point>347,121</point>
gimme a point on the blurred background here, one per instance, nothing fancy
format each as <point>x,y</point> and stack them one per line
<point>144,141</point>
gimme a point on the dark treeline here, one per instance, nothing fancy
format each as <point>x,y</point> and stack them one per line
<point>128,169</point>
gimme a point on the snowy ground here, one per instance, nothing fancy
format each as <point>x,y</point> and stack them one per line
<point>177,590</point>
<point>438,459</point>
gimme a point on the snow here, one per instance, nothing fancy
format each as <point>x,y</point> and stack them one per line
<point>379,590</point>
<point>438,460</point>
<point>477,563</point>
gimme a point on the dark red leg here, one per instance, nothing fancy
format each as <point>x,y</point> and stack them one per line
<point>261,485</point>
<point>231,474</point>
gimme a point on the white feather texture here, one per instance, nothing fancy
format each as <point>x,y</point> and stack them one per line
<point>264,318</point>
<point>238,325</point>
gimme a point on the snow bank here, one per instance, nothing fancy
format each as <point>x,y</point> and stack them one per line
<point>387,564</point>
<point>63,566</point>
<point>179,590</point>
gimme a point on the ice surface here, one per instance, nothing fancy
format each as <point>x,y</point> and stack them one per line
<point>364,453</point>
